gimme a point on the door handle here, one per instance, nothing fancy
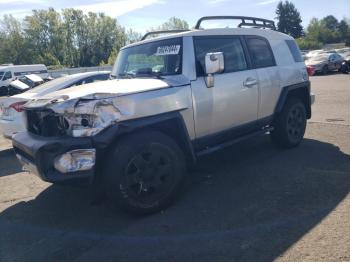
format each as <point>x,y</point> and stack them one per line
<point>250,82</point>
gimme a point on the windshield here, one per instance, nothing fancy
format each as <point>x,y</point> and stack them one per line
<point>1,74</point>
<point>158,58</point>
<point>26,80</point>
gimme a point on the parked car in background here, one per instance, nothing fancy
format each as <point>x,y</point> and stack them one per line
<point>310,70</point>
<point>312,53</point>
<point>345,53</point>
<point>9,73</point>
<point>318,52</point>
<point>11,115</point>
<point>304,54</point>
<point>24,83</point>
<point>325,62</point>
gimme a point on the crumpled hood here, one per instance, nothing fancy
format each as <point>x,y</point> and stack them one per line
<point>109,88</point>
<point>65,100</point>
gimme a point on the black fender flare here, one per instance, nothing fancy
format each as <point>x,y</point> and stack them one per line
<point>106,138</point>
<point>302,89</point>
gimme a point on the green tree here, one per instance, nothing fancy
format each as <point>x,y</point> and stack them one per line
<point>306,43</point>
<point>330,22</point>
<point>73,38</point>
<point>72,22</point>
<point>318,31</point>
<point>174,23</point>
<point>344,31</point>
<point>132,36</point>
<point>44,31</point>
<point>13,42</point>
<point>289,20</point>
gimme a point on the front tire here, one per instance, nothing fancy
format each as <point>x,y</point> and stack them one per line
<point>290,124</point>
<point>325,70</point>
<point>145,172</point>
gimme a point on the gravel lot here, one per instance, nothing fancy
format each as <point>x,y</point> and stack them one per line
<point>251,202</point>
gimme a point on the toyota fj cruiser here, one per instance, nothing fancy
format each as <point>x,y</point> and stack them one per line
<point>174,98</point>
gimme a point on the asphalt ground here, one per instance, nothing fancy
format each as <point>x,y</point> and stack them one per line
<point>250,202</point>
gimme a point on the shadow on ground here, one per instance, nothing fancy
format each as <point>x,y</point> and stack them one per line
<point>8,163</point>
<point>247,203</point>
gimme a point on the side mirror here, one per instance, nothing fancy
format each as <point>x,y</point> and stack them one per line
<point>214,64</point>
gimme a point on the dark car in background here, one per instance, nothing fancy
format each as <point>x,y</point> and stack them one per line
<point>325,62</point>
<point>345,53</point>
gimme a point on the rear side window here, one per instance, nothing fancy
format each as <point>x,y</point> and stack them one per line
<point>234,58</point>
<point>295,51</point>
<point>260,52</point>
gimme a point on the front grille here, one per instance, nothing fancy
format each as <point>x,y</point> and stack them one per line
<point>45,123</point>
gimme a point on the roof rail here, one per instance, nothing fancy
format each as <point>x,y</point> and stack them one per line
<point>163,32</point>
<point>252,21</point>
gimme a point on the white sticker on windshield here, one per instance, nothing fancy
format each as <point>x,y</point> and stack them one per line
<point>168,50</point>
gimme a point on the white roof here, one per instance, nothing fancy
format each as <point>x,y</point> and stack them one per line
<point>267,33</point>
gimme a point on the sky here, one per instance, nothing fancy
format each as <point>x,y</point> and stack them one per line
<point>140,15</point>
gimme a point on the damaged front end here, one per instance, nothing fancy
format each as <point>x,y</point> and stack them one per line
<point>58,142</point>
<point>81,117</point>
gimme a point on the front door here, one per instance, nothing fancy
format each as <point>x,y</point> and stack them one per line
<point>233,101</point>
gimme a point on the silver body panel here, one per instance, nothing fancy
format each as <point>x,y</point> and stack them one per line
<point>228,104</point>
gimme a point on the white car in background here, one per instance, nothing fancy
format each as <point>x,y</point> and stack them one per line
<point>344,52</point>
<point>23,84</point>
<point>12,119</point>
<point>10,72</point>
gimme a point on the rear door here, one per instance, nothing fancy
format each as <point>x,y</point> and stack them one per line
<point>263,61</point>
<point>233,101</point>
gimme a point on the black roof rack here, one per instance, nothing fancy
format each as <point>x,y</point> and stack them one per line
<point>245,21</point>
<point>162,32</point>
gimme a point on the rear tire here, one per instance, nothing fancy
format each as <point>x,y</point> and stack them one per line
<point>290,124</point>
<point>145,172</point>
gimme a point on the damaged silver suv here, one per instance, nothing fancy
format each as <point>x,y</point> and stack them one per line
<point>174,99</point>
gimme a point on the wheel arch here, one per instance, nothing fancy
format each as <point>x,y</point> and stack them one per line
<point>170,124</point>
<point>301,91</point>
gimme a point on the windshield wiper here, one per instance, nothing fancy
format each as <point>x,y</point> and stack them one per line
<point>145,74</point>
<point>126,75</point>
<point>153,75</point>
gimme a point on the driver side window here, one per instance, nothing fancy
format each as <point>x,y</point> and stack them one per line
<point>231,47</point>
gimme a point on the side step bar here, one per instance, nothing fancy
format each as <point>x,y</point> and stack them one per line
<point>232,142</point>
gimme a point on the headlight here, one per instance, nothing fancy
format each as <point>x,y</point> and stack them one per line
<point>76,160</point>
<point>98,116</point>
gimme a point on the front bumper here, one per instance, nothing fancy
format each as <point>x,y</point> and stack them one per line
<point>37,155</point>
